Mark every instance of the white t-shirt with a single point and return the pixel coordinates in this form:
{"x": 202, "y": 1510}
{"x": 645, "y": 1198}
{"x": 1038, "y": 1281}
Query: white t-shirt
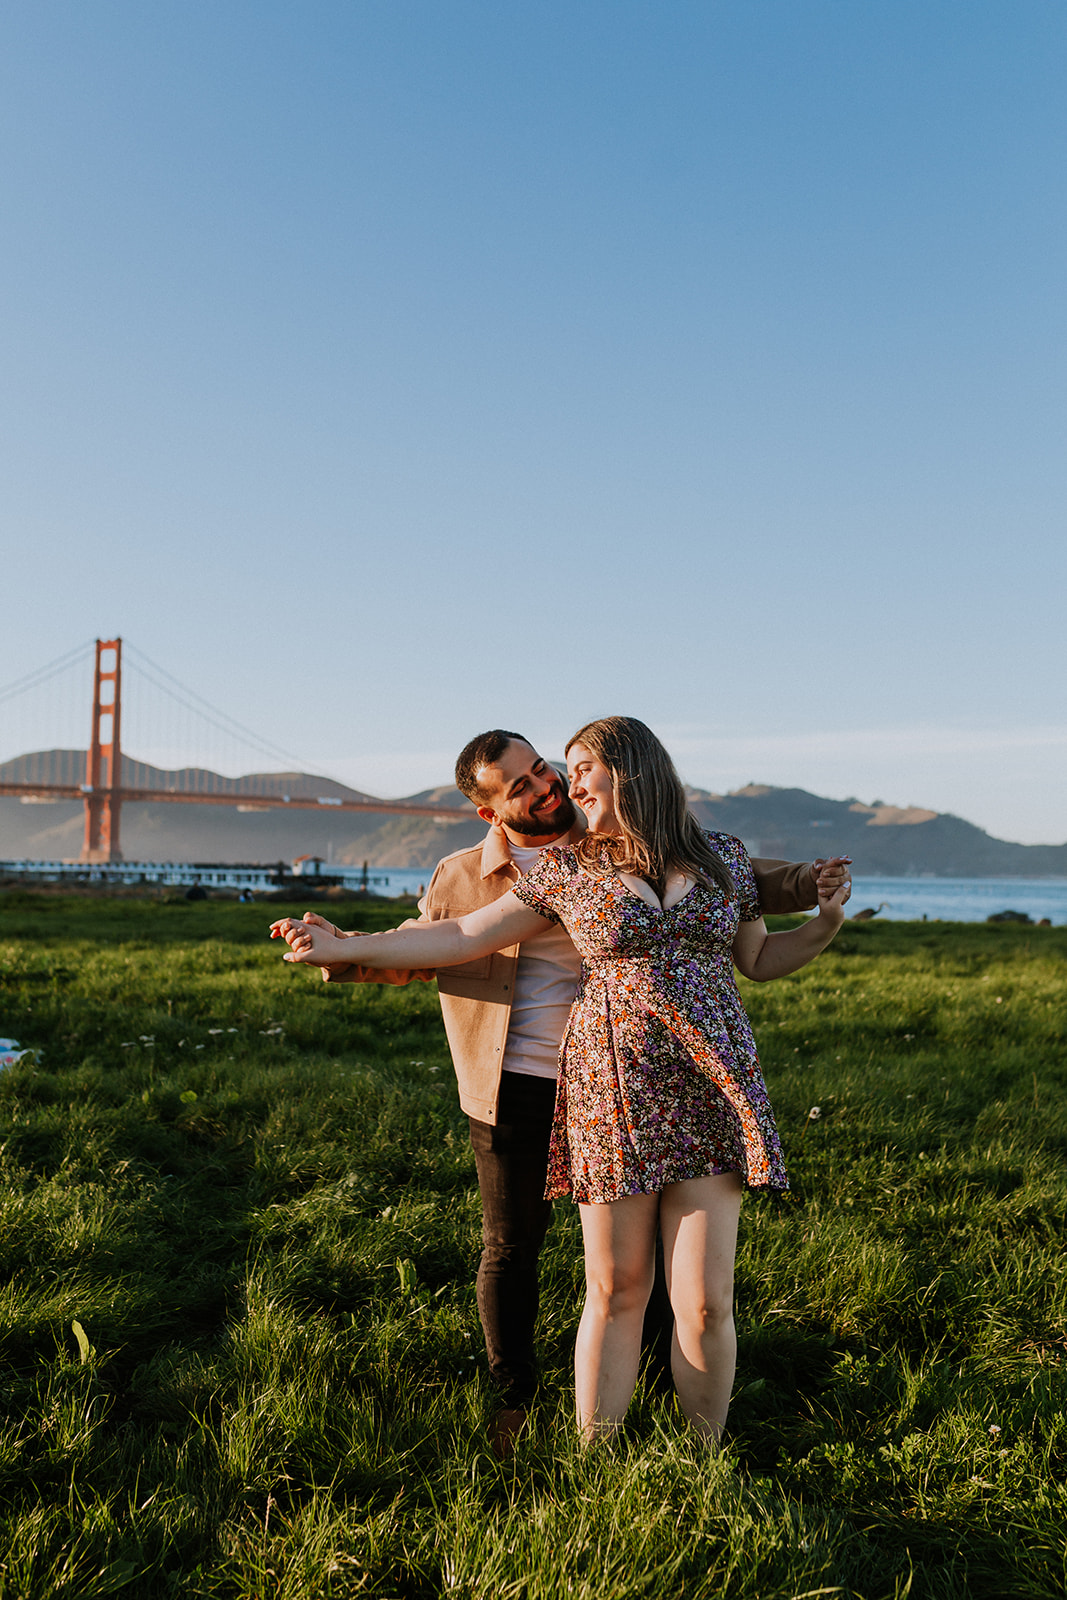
{"x": 545, "y": 981}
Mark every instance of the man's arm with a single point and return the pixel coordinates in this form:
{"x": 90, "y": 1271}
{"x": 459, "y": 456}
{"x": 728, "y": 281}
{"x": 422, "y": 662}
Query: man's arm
{"x": 786, "y": 886}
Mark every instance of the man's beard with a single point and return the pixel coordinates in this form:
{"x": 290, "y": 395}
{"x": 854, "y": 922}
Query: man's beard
{"x": 559, "y": 821}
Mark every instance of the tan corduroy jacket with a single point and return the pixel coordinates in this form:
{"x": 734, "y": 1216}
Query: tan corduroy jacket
{"x": 476, "y": 997}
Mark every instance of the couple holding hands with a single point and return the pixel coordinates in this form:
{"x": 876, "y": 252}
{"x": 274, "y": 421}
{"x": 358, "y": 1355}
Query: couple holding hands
{"x": 600, "y": 926}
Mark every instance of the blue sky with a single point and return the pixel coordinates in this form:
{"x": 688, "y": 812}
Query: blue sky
{"x": 389, "y": 371}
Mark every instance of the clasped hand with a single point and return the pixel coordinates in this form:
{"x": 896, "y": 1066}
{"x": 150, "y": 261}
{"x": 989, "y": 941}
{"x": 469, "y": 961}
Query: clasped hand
{"x": 833, "y": 880}
{"x": 311, "y": 940}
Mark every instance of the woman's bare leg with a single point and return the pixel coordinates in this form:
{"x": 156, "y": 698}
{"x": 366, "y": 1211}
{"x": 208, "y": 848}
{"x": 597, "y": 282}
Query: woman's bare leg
{"x": 699, "y": 1219}
{"x": 620, "y": 1244}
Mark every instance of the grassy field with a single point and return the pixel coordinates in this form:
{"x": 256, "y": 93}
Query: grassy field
{"x": 241, "y": 1355}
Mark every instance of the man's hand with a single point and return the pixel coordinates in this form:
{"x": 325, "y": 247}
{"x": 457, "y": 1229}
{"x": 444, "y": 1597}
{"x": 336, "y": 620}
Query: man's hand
{"x": 310, "y": 939}
{"x": 289, "y": 928}
{"x": 831, "y": 875}
{"x": 278, "y": 929}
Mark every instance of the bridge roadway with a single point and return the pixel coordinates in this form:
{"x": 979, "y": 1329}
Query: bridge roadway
{"x": 251, "y": 802}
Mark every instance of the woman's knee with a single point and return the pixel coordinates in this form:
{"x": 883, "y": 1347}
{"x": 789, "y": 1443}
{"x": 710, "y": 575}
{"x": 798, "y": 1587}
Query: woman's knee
{"x": 707, "y": 1313}
{"x": 615, "y": 1289}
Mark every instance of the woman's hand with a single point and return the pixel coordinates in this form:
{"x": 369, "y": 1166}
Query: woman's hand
{"x": 312, "y": 940}
{"x": 832, "y": 907}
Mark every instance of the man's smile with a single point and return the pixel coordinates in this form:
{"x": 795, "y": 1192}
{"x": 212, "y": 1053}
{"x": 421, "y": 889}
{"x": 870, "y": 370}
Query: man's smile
{"x": 551, "y": 814}
{"x": 525, "y": 795}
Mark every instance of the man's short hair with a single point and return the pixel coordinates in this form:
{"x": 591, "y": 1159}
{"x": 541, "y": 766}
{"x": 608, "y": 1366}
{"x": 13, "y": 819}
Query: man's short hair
{"x": 484, "y": 751}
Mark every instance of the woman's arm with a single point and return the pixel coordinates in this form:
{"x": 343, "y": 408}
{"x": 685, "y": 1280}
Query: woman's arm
{"x": 432, "y": 944}
{"x": 350, "y": 971}
{"x": 762, "y": 956}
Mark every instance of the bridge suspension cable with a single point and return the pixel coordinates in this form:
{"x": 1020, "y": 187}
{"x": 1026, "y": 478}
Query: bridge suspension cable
{"x": 203, "y": 709}
{"x": 48, "y": 709}
{"x": 41, "y": 675}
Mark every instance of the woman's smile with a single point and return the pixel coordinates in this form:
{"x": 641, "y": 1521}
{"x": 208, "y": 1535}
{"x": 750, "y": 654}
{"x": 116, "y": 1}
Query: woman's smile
{"x": 592, "y": 790}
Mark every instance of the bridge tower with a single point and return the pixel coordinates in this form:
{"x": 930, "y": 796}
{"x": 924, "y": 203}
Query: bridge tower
{"x": 103, "y": 778}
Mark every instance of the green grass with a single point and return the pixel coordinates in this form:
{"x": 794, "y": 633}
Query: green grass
{"x": 254, "y": 1194}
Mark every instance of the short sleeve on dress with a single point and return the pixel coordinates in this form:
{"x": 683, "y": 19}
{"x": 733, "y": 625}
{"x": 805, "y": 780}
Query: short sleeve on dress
{"x": 733, "y": 853}
{"x": 542, "y": 886}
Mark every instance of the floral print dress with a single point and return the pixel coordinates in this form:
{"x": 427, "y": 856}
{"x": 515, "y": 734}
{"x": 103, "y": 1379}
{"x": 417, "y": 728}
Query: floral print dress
{"x": 659, "y": 1078}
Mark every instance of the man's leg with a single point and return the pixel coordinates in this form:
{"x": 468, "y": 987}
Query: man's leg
{"x": 657, "y": 1335}
{"x": 512, "y": 1158}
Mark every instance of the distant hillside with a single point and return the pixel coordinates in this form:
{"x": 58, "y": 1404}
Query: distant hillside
{"x": 789, "y": 823}
{"x": 68, "y": 766}
{"x": 52, "y": 830}
{"x": 793, "y": 824}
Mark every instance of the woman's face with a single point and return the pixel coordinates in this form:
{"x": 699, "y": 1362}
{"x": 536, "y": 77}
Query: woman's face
{"x": 590, "y": 789}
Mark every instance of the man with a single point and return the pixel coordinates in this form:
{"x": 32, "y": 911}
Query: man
{"x": 505, "y": 1014}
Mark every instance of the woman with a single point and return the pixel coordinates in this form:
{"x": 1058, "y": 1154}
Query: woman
{"x": 662, "y": 1117}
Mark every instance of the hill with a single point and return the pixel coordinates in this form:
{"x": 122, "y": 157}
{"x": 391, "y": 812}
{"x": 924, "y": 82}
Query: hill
{"x": 882, "y": 839}
{"x": 790, "y": 823}
{"x": 52, "y": 829}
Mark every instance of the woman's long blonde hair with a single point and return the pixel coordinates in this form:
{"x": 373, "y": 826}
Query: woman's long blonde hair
{"x": 659, "y": 832}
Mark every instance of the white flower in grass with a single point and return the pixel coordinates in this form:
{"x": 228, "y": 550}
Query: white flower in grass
{"x": 216, "y": 1030}
{"x": 994, "y": 1430}
{"x": 815, "y": 1113}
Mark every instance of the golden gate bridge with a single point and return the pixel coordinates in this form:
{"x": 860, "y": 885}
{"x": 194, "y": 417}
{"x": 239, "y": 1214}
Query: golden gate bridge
{"x": 103, "y": 777}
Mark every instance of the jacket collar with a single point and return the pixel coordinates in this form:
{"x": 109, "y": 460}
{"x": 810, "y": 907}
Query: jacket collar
{"x": 496, "y": 850}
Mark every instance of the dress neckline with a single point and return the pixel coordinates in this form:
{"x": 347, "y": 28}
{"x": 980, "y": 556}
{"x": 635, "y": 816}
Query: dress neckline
{"x": 662, "y": 909}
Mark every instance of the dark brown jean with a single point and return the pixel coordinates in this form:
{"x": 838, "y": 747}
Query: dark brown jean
{"x": 512, "y": 1162}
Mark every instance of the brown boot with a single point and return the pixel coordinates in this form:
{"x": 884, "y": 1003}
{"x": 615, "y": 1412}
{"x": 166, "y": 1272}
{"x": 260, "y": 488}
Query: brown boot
{"x": 505, "y": 1431}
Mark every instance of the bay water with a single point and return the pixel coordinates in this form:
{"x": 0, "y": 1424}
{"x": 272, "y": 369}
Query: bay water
{"x": 901, "y": 899}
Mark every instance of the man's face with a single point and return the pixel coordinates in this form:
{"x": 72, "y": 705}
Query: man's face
{"x": 525, "y": 795}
